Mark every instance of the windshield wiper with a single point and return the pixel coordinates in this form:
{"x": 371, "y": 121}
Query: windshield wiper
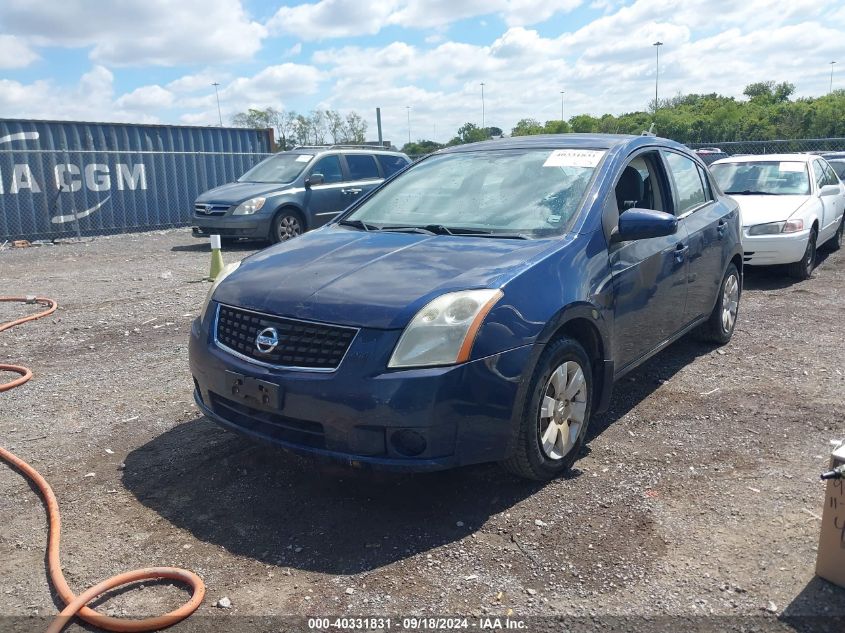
{"x": 428, "y": 229}
{"x": 358, "y": 224}
{"x": 494, "y": 234}
{"x": 749, "y": 192}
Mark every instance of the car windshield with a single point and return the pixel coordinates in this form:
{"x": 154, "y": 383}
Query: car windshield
{"x": 782, "y": 178}
{"x": 525, "y": 193}
{"x": 278, "y": 168}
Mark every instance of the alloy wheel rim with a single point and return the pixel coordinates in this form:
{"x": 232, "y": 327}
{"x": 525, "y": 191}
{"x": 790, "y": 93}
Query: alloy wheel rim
{"x": 562, "y": 410}
{"x": 730, "y": 303}
{"x": 288, "y": 228}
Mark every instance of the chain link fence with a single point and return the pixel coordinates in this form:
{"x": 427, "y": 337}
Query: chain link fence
{"x": 777, "y": 146}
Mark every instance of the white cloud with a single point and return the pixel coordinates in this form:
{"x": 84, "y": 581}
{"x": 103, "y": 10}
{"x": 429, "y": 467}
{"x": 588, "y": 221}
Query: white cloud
{"x": 146, "y": 98}
{"x": 328, "y": 19}
{"x": 15, "y": 53}
{"x": 198, "y": 82}
{"x": 140, "y": 32}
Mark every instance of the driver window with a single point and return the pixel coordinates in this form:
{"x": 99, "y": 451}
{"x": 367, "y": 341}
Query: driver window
{"x": 639, "y": 185}
{"x": 329, "y": 166}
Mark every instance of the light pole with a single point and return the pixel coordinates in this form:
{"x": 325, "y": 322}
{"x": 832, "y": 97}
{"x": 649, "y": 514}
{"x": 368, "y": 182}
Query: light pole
{"x": 408, "y": 108}
{"x": 562, "y": 118}
{"x": 657, "y": 46}
{"x": 482, "y": 105}
{"x": 217, "y": 94}
{"x": 831, "y": 77}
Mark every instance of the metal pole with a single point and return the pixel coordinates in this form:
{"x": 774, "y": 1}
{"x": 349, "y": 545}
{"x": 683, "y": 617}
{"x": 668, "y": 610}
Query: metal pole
{"x": 831, "y": 77}
{"x": 217, "y": 94}
{"x": 408, "y": 108}
{"x": 562, "y": 118}
{"x": 482, "y": 106}
{"x": 657, "y": 46}
{"x": 378, "y": 125}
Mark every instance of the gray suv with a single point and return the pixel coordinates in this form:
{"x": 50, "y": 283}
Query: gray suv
{"x": 293, "y": 192}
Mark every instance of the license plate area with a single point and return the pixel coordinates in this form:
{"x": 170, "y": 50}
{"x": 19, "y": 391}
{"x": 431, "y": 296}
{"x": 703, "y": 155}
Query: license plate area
{"x": 253, "y": 392}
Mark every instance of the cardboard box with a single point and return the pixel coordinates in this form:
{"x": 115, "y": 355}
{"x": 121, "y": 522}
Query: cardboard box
{"x": 830, "y": 562}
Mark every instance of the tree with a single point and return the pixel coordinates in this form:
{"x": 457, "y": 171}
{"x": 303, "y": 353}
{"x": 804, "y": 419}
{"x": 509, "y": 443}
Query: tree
{"x": 356, "y": 128}
{"x": 421, "y": 147}
{"x": 469, "y": 133}
{"x": 317, "y": 128}
{"x": 527, "y": 127}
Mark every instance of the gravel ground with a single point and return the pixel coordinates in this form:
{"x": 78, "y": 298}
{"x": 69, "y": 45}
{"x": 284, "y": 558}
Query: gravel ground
{"x": 697, "y": 495}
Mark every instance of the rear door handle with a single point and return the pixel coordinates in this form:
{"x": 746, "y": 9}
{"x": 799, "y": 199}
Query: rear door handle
{"x": 680, "y": 252}
{"x": 353, "y": 192}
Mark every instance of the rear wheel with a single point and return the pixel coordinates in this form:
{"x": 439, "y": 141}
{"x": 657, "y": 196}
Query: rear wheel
{"x": 556, "y": 414}
{"x": 719, "y": 328}
{"x": 286, "y": 225}
{"x": 803, "y": 269}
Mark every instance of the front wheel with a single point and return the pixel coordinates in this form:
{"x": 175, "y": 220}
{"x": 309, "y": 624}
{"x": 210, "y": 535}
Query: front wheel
{"x": 719, "y": 328}
{"x": 803, "y": 269}
{"x": 556, "y": 414}
{"x": 286, "y": 225}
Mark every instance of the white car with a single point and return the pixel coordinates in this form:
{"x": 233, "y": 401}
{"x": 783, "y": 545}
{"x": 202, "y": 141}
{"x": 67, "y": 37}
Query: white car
{"x": 790, "y": 204}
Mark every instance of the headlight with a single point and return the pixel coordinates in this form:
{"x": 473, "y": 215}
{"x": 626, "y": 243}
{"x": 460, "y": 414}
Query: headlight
{"x": 773, "y": 228}
{"x": 442, "y": 333}
{"x": 228, "y": 269}
{"x": 249, "y": 207}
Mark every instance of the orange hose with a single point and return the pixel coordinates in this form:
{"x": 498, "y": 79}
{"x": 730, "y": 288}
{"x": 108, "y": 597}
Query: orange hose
{"x": 76, "y": 604}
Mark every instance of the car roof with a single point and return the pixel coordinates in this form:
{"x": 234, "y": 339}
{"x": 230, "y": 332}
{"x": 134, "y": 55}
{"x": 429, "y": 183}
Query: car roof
{"x": 341, "y": 150}
{"x": 565, "y": 141}
{"x": 758, "y": 158}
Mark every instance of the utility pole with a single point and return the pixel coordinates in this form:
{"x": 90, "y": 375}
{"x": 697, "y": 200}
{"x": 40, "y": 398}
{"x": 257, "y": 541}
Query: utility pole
{"x": 408, "y": 108}
{"x": 831, "y": 77}
{"x": 657, "y": 46}
{"x": 482, "y": 106}
{"x": 217, "y": 94}
{"x": 378, "y": 125}
{"x": 562, "y": 118}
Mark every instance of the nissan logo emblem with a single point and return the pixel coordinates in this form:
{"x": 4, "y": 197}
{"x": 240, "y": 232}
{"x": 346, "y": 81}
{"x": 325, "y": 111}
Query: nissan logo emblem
{"x": 267, "y": 340}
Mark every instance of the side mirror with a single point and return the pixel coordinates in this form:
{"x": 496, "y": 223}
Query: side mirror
{"x": 313, "y": 180}
{"x": 641, "y": 224}
{"x": 829, "y": 190}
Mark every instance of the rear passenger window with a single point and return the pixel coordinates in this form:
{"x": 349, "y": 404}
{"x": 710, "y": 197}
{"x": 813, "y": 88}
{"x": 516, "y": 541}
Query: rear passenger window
{"x": 391, "y": 164}
{"x": 690, "y": 190}
{"x": 329, "y": 166}
{"x": 361, "y": 166}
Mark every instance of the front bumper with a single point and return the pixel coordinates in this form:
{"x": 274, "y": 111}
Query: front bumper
{"x": 249, "y": 226}
{"x": 362, "y": 414}
{"x": 771, "y": 250}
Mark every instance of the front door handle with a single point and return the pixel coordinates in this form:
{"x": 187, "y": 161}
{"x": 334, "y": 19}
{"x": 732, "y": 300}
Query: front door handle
{"x": 353, "y": 192}
{"x": 721, "y": 228}
{"x": 681, "y": 252}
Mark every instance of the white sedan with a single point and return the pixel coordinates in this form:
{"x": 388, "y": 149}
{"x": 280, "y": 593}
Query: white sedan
{"x": 790, "y": 204}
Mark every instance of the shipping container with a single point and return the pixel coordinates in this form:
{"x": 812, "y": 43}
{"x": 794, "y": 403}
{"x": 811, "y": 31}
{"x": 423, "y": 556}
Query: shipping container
{"x": 64, "y": 178}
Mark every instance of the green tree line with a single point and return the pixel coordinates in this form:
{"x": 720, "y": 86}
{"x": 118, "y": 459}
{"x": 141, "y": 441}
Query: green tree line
{"x": 317, "y": 128}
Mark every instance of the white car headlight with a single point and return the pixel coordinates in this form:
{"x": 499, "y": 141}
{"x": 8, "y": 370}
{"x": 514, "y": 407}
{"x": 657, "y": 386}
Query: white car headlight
{"x": 249, "y": 207}
{"x": 773, "y": 228}
{"x": 228, "y": 269}
{"x": 442, "y": 333}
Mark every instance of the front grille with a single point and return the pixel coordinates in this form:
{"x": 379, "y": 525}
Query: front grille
{"x": 290, "y": 430}
{"x": 301, "y": 344}
{"x": 211, "y": 209}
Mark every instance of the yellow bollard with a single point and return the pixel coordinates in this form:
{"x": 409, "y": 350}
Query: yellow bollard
{"x": 216, "y": 258}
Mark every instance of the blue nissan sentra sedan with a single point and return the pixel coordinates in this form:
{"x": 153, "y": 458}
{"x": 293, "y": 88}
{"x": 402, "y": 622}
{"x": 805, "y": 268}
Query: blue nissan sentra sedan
{"x": 476, "y": 307}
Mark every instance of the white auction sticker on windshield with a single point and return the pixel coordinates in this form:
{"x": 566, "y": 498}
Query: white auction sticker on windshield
{"x": 574, "y": 158}
{"x": 791, "y": 167}
{"x": 304, "y": 158}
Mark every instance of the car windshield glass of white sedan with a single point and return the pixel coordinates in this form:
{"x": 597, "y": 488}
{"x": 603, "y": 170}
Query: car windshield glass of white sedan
{"x": 782, "y": 178}
{"x": 278, "y": 168}
{"x": 530, "y": 193}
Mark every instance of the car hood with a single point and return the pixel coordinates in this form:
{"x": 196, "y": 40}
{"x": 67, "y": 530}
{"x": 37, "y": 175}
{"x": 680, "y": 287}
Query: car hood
{"x": 762, "y": 209}
{"x": 372, "y": 279}
{"x": 237, "y": 192}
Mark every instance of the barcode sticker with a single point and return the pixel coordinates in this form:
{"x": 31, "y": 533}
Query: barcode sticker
{"x": 574, "y": 158}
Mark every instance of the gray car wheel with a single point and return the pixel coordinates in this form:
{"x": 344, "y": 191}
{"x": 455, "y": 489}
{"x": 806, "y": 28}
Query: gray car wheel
{"x": 286, "y": 225}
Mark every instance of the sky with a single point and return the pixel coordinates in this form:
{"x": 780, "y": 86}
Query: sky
{"x": 154, "y": 61}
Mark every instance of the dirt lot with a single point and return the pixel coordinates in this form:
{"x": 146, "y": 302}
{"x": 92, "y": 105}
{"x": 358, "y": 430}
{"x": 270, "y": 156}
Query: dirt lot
{"x": 698, "y": 493}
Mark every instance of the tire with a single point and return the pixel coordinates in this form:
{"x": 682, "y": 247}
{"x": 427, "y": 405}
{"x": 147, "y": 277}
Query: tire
{"x": 835, "y": 242}
{"x": 287, "y": 225}
{"x": 550, "y": 434}
{"x": 803, "y": 269}
{"x": 719, "y": 328}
